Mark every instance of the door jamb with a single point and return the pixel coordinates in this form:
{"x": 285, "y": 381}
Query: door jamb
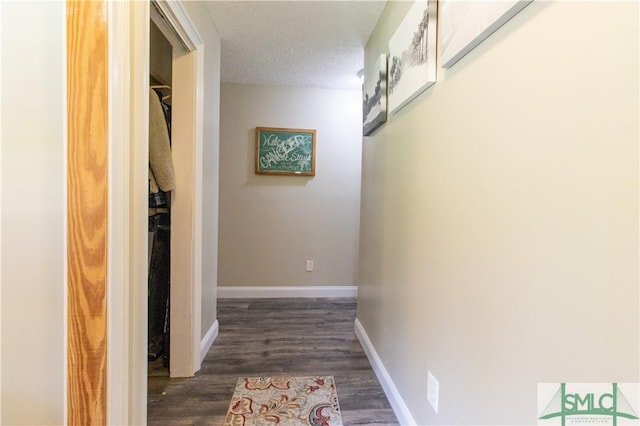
{"x": 128, "y": 24}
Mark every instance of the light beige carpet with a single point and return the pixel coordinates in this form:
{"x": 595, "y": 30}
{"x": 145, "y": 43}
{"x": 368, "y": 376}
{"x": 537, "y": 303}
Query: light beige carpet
{"x": 284, "y": 401}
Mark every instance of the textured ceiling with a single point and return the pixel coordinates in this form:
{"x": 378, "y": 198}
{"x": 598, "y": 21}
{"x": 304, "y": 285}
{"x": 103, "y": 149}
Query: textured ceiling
{"x": 294, "y": 43}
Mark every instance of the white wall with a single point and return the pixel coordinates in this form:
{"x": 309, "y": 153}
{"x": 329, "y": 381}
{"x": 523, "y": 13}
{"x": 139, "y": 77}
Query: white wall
{"x": 194, "y": 202}
{"x": 499, "y": 226}
{"x": 210, "y": 159}
{"x": 33, "y": 213}
{"x": 270, "y": 225}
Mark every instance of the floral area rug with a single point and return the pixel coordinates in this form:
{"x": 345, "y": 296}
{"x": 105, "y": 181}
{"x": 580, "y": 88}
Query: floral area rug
{"x": 284, "y": 401}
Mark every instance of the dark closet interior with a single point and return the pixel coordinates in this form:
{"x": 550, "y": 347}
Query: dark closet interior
{"x": 159, "y": 251}
{"x": 161, "y": 184}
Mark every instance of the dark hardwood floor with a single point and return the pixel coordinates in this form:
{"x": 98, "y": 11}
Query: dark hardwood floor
{"x": 270, "y": 337}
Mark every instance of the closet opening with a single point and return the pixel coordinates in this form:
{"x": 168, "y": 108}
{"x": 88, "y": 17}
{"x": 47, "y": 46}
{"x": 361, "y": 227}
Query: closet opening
{"x": 162, "y": 184}
{"x": 176, "y": 81}
{"x": 129, "y": 83}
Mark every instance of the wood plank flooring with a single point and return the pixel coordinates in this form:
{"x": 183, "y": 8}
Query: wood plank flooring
{"x": 269, "y": 337}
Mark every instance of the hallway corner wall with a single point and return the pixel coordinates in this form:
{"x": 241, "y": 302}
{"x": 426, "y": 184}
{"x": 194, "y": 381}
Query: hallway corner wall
{"x": 270, "y": 225}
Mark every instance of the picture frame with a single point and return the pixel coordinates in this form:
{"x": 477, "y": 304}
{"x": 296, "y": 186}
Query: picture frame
{"x": 467, "y": 24}
{"x": 374, "y": 96}
{"x": 283, "y": 151}
{"x": 412, "y": 54}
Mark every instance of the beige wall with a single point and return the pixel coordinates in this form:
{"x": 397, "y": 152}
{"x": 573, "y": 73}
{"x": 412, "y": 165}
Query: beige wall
{"x": 210, "y": 160}
{"x": 270, "y": 225}
{"x": 499, "y": 225}
{"x": 160, "y": 55}
{"x": 33, "y": 213}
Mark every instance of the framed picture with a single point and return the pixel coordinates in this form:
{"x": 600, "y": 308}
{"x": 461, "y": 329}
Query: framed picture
{"x": 285, "y": 151}
{"x": 412, "y": 54}
{"x": 466, "y": 24}
{"x": 374, "y": 96}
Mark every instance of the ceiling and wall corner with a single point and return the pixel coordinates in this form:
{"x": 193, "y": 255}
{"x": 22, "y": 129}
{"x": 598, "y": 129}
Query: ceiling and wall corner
{"x": 294, "y": 43}
{"x": 291, "y": 64}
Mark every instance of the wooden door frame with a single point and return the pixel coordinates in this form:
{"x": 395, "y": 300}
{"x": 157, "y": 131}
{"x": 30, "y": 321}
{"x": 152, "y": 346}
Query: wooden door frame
{"x": 88, "y": 210}
{"x": 128, "y": 213}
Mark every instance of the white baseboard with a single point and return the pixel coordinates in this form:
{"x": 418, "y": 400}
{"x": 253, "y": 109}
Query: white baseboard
{"x": 400, "y": 409}
{"x": 208, "y": 339}
{"x": 286, "y": 291}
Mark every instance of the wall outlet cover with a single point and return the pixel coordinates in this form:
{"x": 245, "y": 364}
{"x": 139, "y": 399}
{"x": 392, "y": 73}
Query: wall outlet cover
{"x": 309, "y": 265}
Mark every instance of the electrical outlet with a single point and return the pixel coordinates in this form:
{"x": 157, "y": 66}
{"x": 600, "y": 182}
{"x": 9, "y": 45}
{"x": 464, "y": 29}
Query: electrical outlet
{"x": 309, "y": 265}
{"x": 432, "y": 390}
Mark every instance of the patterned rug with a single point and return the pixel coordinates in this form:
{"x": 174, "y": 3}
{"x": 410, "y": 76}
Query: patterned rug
{"x": 284, "y": 401}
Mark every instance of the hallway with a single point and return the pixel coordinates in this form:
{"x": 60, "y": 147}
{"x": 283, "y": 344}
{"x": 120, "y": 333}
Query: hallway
{"x": 270, "y": 337}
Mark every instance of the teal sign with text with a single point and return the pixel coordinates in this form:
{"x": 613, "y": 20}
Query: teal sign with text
{"x": 285, "y": 151}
